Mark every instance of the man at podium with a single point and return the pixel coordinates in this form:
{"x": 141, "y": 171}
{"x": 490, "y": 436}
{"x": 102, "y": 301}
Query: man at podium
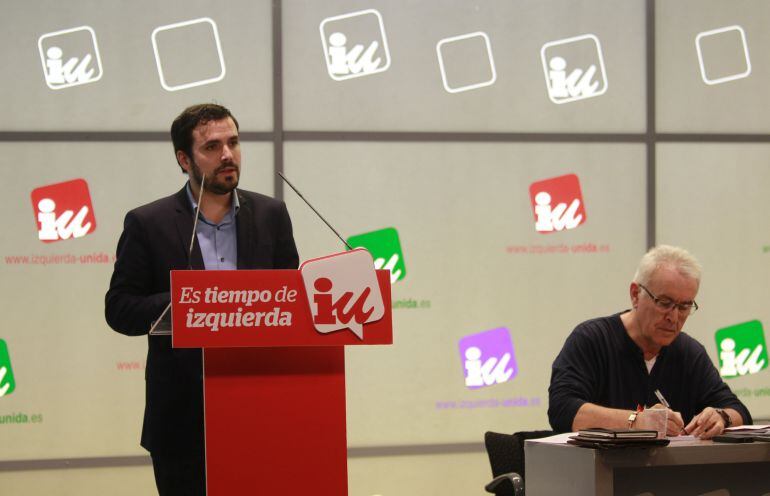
{"x": 235, "y": 229}
{"x": 612, "y": 367}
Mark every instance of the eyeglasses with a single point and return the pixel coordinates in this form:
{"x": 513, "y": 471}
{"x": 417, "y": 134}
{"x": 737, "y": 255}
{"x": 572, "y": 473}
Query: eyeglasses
{"x": 666, "y": 304}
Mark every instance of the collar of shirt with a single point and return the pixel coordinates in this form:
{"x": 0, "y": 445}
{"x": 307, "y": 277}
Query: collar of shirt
{"x": 218, "y": 242}
{"x": 634, "y": 348}
{"x": 233, "y": 210}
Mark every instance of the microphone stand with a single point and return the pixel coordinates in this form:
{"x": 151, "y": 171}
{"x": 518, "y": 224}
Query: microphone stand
{"x": 165, "y": 332}
{"x": 314, "y": 210}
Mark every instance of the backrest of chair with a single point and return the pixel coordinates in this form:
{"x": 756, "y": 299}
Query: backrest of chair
{"x": 503, "y": 451}
{"x": 506, "y": 451}
{"x": 504, "y": 457}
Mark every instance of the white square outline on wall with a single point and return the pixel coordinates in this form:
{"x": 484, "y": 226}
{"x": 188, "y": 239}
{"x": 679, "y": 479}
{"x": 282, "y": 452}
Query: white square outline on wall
{"x": 564, "y": 42}
{"x": 489, "y": 56}
{"x": 347, "y": 16}
{"x": 67, "y": 31}
{"x": 703, "y": 66}
{"x": 181, "y": 25}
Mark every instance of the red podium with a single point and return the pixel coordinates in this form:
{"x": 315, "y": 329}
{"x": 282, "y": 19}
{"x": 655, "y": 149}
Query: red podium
{"x": 274, "y": 367}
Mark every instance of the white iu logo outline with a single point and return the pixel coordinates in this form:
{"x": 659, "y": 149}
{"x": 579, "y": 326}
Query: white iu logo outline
{"x": 159, "y": 64}
{"x": 62, "y": 71}
{"x": 347, "y": 62}
{"x": 565, "y": 83}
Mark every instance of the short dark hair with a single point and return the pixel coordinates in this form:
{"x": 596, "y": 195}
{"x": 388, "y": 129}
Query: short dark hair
{"x": 190, "y": 118}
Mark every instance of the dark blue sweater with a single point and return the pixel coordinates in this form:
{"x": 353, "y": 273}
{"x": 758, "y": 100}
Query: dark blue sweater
{"x": 601, "y": 364}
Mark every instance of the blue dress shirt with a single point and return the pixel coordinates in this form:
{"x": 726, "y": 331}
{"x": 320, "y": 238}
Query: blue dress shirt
{"x": 218, "y": 242}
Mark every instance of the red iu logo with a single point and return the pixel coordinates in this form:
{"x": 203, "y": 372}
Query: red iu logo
{"x": 343, "y": 292}
{"x": 331, "y": 312}
{"x": 63, "y": 211}
{"x": 557, "y": 203}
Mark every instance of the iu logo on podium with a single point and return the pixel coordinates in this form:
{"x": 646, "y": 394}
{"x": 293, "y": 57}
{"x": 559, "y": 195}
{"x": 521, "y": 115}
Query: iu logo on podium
{"x": 343, "y": 292}
{"x": 63, "y": 211}
{"x": 557, "y": 203}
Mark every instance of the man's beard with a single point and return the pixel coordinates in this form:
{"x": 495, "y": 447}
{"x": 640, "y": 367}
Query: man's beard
{"x": 213, "y": 184}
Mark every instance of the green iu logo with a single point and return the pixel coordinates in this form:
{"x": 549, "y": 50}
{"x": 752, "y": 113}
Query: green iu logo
{"x": 385, "y": 248}
{"x": 742, "y": 349}
{"x": 7, "y": 384}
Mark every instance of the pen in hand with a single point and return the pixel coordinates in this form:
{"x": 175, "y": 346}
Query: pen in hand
{"x": 665, "y": 403}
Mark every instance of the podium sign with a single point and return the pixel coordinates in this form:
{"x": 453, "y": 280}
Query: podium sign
{"x": 257, "y": 308}
{"x": 274, "y": 367}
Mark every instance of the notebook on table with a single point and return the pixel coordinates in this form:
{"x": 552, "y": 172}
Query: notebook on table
{"x": 601, "y": 433}
{"x": 616, "y": 438}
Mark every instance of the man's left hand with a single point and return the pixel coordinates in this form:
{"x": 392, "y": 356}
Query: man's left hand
{"x": 706, "y": 424}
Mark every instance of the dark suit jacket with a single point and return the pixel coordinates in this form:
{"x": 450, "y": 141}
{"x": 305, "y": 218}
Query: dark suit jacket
{"x": 156, "y": 240}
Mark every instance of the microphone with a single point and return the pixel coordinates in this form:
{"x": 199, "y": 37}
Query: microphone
{"x": 165, "y": 332}
{"x": 314, "y": 210}
{"x": 195, "y": 224}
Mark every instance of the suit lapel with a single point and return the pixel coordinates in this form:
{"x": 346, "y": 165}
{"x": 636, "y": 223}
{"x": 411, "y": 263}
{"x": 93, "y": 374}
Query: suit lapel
{"x": 184, "y": 227}
{"x": 245, "y": 233}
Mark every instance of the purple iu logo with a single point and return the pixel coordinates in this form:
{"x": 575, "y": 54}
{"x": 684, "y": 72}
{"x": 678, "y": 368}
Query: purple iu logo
{"x": 488, "y": 358}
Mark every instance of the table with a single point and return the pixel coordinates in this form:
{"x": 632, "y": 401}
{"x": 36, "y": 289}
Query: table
{"x": 684, "y": 467}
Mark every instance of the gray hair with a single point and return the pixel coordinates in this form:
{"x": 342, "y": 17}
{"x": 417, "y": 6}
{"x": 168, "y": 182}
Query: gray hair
{"x": 663, "y": 255}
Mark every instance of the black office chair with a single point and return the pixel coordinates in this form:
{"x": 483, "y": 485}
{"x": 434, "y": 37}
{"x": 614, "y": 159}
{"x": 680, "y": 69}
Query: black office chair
{"x": 506, "y": 457}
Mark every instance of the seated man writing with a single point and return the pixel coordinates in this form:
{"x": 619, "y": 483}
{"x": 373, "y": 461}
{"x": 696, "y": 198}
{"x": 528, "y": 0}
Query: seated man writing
{"x": 610, "y": 366}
